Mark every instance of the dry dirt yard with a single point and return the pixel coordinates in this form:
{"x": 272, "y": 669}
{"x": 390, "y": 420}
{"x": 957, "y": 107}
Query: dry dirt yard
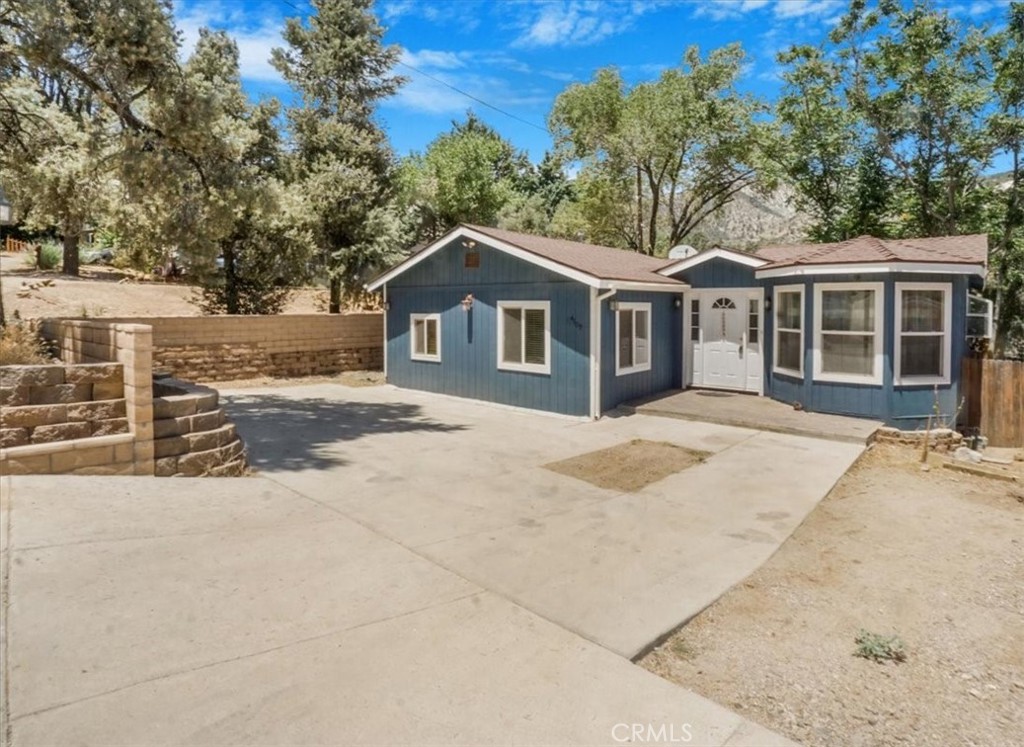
{"x": 935, "y": 557}
{"x": 104, "y": 291}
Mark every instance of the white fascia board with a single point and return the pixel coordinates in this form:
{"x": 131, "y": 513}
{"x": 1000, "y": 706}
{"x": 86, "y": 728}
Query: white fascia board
{"x": 702, "y": 257}
{"x": 636, "y": 285}
{"x": 871, "y": 268}
{"x": 469, "y": 233}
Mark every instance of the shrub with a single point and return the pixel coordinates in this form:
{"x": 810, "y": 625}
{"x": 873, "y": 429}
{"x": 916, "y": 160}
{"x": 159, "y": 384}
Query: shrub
{"x": 879, "y": 648}
{"x": 20, "y": 344}
{"x": 50, "y": 254}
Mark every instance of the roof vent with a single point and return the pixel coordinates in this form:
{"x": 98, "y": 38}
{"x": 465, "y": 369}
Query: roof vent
{"x": 682, "y": 251}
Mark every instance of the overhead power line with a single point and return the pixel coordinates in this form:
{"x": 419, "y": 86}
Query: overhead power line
{"x": 444, "y": 83}
{"x": 474, "y": 98}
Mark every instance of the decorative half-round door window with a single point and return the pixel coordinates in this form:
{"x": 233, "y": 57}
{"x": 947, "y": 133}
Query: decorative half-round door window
{"x": 723, "y": 305}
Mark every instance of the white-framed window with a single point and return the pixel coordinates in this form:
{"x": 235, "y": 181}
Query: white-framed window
{"x": 924, "y": 318}
{"x": 848, "y": 332}
{"x": 633, "y": 336}
{"x": 789, "y": 330}
{"x": 979, "y": 317}
{"x": 425, "y": 337}
{"x": 524, "y": 336}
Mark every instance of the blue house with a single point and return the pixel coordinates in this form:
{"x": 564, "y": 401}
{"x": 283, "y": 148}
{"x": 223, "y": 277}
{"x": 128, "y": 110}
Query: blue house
{"x": 866, "y": 327}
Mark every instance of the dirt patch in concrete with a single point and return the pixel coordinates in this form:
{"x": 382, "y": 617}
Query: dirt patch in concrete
{"x": 631, "y": 466}
{"x": 935, "y": 557}
{"x": 346, "y": 378}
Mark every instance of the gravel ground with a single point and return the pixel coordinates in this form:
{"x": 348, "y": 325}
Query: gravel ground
{"x": 935, "y": 557}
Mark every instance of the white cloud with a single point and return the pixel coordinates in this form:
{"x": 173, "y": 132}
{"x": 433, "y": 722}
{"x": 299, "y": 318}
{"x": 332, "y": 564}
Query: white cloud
{"x": 720, "y": 10}
{"x": 576, "y": 22}
{"x": 432, "y": 96}
{"x": 255, "y": 37}
{"x": 806, "y": 8}
{"x": 438, "y": 59}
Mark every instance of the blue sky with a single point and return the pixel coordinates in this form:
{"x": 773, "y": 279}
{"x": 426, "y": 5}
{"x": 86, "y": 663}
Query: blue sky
{"x": 517, "y": 55}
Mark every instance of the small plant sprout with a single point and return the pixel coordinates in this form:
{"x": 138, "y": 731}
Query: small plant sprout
{"x": 879, "y": 648}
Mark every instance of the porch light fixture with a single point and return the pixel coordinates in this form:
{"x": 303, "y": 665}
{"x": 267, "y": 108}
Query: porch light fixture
{"x": 613, "y": 305}
{"x": 677, "y": 302}
{"x": 768, "y": 303}
{"x": 387, "y": 306}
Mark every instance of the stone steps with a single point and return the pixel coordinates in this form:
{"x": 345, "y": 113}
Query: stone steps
{"x": 192, "y": 436}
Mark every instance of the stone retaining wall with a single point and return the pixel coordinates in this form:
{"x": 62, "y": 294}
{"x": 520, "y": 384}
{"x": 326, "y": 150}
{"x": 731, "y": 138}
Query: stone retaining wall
{"x": 131, "y": 345}
{"x": 193, "y": 437}
{"x": 939, "y": 439}
{"x": 225, "y": 348}
{"x": 43, "y": 404}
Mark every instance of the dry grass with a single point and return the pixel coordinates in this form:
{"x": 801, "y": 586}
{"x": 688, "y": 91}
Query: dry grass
{"x": 21, "y": 345}
{"x": 629, "y": 467}
{"x": 934, "y": 557}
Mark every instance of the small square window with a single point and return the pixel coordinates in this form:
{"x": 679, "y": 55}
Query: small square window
{"x": 425, "y": 333}
{"x": 472, "y": 260}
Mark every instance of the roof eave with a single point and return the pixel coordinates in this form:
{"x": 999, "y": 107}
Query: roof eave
{"x": 851, "y": 268}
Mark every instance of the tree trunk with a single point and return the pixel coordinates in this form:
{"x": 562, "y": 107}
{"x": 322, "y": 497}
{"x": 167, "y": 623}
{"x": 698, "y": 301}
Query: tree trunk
{"x": 639, "y": 212}
{"x": 230, "y": 281}
{"x": 71, "y": 254}
{"x": 334, "y": 306}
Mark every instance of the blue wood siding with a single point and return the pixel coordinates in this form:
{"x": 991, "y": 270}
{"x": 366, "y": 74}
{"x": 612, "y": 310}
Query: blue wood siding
{"x": 469, "y": 345}
{"x": 719, "y": 273}
{"x": 906, "y": 407}
{"x": 666, "y": 339}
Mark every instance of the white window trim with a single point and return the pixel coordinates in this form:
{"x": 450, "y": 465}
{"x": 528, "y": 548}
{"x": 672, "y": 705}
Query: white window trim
{"x": 413, "y": 355}
{"x": 878, "y": 364}
{"x": 537, "y": 368}
{"x": 947, "y": 334}
{"x": 988, "y": 315}
{"x": 636, "y": 368}
{"x": 776, "y": 368}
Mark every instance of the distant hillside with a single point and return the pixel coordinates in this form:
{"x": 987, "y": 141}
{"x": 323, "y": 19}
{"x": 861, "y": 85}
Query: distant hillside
{"x": 752, "y": 220}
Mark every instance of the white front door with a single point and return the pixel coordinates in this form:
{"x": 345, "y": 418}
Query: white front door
{"x": 725, "y": 336}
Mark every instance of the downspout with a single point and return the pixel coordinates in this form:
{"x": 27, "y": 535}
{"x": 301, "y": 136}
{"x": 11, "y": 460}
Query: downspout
{"x": 385, "y": 302}
{"x": 595, "y": 348}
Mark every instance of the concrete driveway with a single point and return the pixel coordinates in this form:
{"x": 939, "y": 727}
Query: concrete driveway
{"x": 463, "y": 484}
{"x": 402, "y": 572}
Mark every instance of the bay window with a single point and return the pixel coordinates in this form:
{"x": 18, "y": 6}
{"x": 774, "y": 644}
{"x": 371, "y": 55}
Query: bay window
{"x": 923, "y": 342}
{"x": 789, "y": 330}
{"x": 848, "y": 332}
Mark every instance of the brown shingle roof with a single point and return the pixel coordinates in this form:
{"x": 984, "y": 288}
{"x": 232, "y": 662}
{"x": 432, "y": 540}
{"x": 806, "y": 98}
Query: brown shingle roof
{"x": 601, "y": 262}
{"x": 972, "y": 249}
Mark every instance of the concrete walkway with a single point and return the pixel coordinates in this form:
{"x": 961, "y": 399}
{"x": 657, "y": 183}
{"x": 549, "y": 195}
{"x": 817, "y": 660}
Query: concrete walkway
{"x": 403, "y": 572}
{"x": 751, "y": 411}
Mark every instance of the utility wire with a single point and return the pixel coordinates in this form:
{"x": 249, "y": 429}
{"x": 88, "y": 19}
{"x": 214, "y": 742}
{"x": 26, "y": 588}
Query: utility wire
{"x": 449, "y": 85}
{"x": 474, "y": 98}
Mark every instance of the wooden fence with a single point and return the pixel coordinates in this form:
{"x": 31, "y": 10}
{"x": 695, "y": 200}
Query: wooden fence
{"x": 13, "y": 245}
{"x": 994, "y": 399}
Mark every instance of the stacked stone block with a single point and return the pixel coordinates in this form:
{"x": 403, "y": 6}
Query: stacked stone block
{"x": 131, "y": 345}
{"x": 43, "y": 404}
{"x": 939, "y": 439}
{"x": 225, "y": 348}
{"x": 192, "y": 435}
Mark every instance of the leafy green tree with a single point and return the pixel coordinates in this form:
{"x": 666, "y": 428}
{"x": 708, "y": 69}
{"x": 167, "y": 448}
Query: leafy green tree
{"x": 60, "y": 173}
{"x": 469, "y": 174}
{"x": 822, "y": 143}
{"x": 685, "y": 144}
{"x": 262, "y": 251}
{"x": 1006, "y": 125}
{"x": 337, "y": 62}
